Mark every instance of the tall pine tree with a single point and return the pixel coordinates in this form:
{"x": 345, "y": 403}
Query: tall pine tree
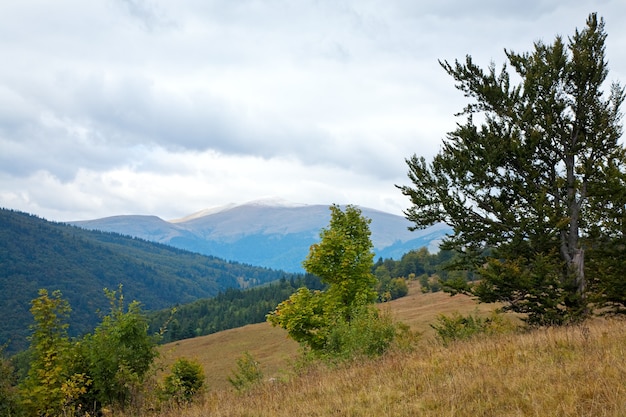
{"x": 527, "y": 182}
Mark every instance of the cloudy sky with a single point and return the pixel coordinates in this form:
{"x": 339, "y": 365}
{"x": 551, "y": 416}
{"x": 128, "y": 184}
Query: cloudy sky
{"x": 169, "y": 107}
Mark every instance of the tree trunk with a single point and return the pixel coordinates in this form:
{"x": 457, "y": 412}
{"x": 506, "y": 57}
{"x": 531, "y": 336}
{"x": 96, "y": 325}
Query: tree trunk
{"x": 575, "y": 256}
{"x": 578, "y": 269}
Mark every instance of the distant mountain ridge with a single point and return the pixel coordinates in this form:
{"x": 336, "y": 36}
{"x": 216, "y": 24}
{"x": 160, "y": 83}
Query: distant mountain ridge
{"x": 35, "y": 253}
{"x": 269, "y": 233}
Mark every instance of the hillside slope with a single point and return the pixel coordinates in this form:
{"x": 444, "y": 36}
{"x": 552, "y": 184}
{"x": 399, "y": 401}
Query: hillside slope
{"x": 267, "y": 233}
{"x": 570, "y": 371}
{"x": 35, "y": 253}
{"x": 271, "y": 347}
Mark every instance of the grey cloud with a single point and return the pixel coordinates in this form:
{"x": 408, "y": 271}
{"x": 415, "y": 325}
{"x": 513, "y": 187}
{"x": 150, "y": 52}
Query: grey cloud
{"x": 94, "y": 122}
{"x": 135, "y": 111}
{"x": 57, "y": 146}
{"x": 148, "y": 14}
{"x": 485, "y": 9}
{"x": 322, "y": 83}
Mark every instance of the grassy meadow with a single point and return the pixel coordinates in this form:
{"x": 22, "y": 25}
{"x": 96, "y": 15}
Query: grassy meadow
{"x": 569, "y": 371}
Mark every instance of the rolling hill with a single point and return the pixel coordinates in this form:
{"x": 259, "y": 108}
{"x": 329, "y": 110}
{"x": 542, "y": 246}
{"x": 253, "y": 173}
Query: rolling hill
{"x": 267, "y": 233}
{"x": 35, "y": 253}
{"x": 275, "y": 352}
{"x": 556, "y": 371}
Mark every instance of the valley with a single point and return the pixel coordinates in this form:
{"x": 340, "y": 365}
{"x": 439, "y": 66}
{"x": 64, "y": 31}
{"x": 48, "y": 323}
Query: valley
{"x": 269, "y": 234}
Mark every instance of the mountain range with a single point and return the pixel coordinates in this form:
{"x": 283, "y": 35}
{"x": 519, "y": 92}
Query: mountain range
{"x": 38, "y": 254}
{"x": 268, "y": 233}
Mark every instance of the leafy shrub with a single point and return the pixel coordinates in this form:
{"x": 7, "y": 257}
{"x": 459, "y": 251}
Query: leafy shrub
{"x": 429, "y": 283}
{"x": 119, "y": 353}
{"x": 459, "y": 327}
{"x": 185, "y": 380}
{"x": 248, "y": 373}
{"x": 51, "y": 386}
{"x": 368, "y": 333}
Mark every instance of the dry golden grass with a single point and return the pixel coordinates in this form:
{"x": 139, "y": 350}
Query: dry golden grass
{"x": 217, "y": 353}
{"x": 419, "y": 310}
{"x": 578, "y": 371}
{"x": 572, "y": 371}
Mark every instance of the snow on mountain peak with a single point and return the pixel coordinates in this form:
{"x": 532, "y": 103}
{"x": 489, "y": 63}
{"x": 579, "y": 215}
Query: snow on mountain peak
{"x": 262, "y": 202}
{"x": 272, "y": 202}
{"x": 205, "y": 212}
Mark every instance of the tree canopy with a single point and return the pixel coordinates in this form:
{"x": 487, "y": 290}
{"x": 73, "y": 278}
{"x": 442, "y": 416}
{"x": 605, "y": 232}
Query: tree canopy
{"x": 533, "y": 182}
{"x": 342, "y": 320}
{"x": 343, "y": 258}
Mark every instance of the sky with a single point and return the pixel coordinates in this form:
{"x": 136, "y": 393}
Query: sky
{"x": 156, "y": 107}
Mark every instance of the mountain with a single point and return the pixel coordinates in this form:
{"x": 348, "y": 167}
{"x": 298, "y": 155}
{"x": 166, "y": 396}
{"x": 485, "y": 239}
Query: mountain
{"x": 271, "y": 234}
{"x": 35, "y": 253}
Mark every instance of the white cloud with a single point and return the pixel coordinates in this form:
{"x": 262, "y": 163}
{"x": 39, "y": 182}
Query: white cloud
{"x": 155, "y": 107}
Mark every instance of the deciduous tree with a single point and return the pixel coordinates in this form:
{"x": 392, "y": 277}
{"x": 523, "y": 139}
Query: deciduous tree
{"x": 51, "y": 385}
{"x": 327, "y": 321}
{"x": 120, "y": 352}
{"x": 343, "y": 259}
{"x": 8, "y": 390}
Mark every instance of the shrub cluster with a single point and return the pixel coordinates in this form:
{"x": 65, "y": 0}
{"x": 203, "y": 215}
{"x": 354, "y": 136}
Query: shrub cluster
{"x": 108, "y": 369}
{"x": 459, "y": 327}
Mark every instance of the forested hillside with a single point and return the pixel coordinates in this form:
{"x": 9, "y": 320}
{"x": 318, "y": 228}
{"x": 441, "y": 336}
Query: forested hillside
{"x": 35, "y": 253}
{"x": 228, "y": 310}
{"x": 234, "y": 308}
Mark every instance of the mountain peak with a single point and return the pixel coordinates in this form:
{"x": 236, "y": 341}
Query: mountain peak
{"x": 203, "y": 213}
{"x": 262, "y": 202}
{"x": 273, "y": 202}
{"x": 269, "y": 232}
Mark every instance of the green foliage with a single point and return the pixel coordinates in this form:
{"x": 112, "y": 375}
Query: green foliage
{"x": 234, "y": 307}
{"x": 305, "y": 316}
{"x": 608, "y": 285}
{"x": 73, "y": 377}
{"x": 185, "y": 380}
{"x": 368, "y": 334}
{"x": 391, "y": 288}
{"x": 459, "y": 327}
{"x": 607, "y": 252}
{"x": 9, "y": 402}
{"x": 536, "y": 182}
{"x": 247, "y": 374}
{"x": 429, "y": 283}
{"x": 539, "y": 279}
{"x": 35, "y": 253}
{"x": 343, "y": 259}
{"x": 51, "y": 386}
{"x": 341, "y": 321}
{"x": 229, "y": 309}
{"x": 433, "y": 271}
{"x": 416, "y": 262}
{"x": 119, "y": 353}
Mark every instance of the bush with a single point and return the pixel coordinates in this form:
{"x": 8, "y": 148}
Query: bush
{"x": 429, "y": 283}
{"x": 119, "y": 353}
{"x": 186, "y": 380}
{"x": 458, "y": 327}
{"x": 368, "y": 333}
{"x": 341, "y": 321}
{"x": 248, "y": 373}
